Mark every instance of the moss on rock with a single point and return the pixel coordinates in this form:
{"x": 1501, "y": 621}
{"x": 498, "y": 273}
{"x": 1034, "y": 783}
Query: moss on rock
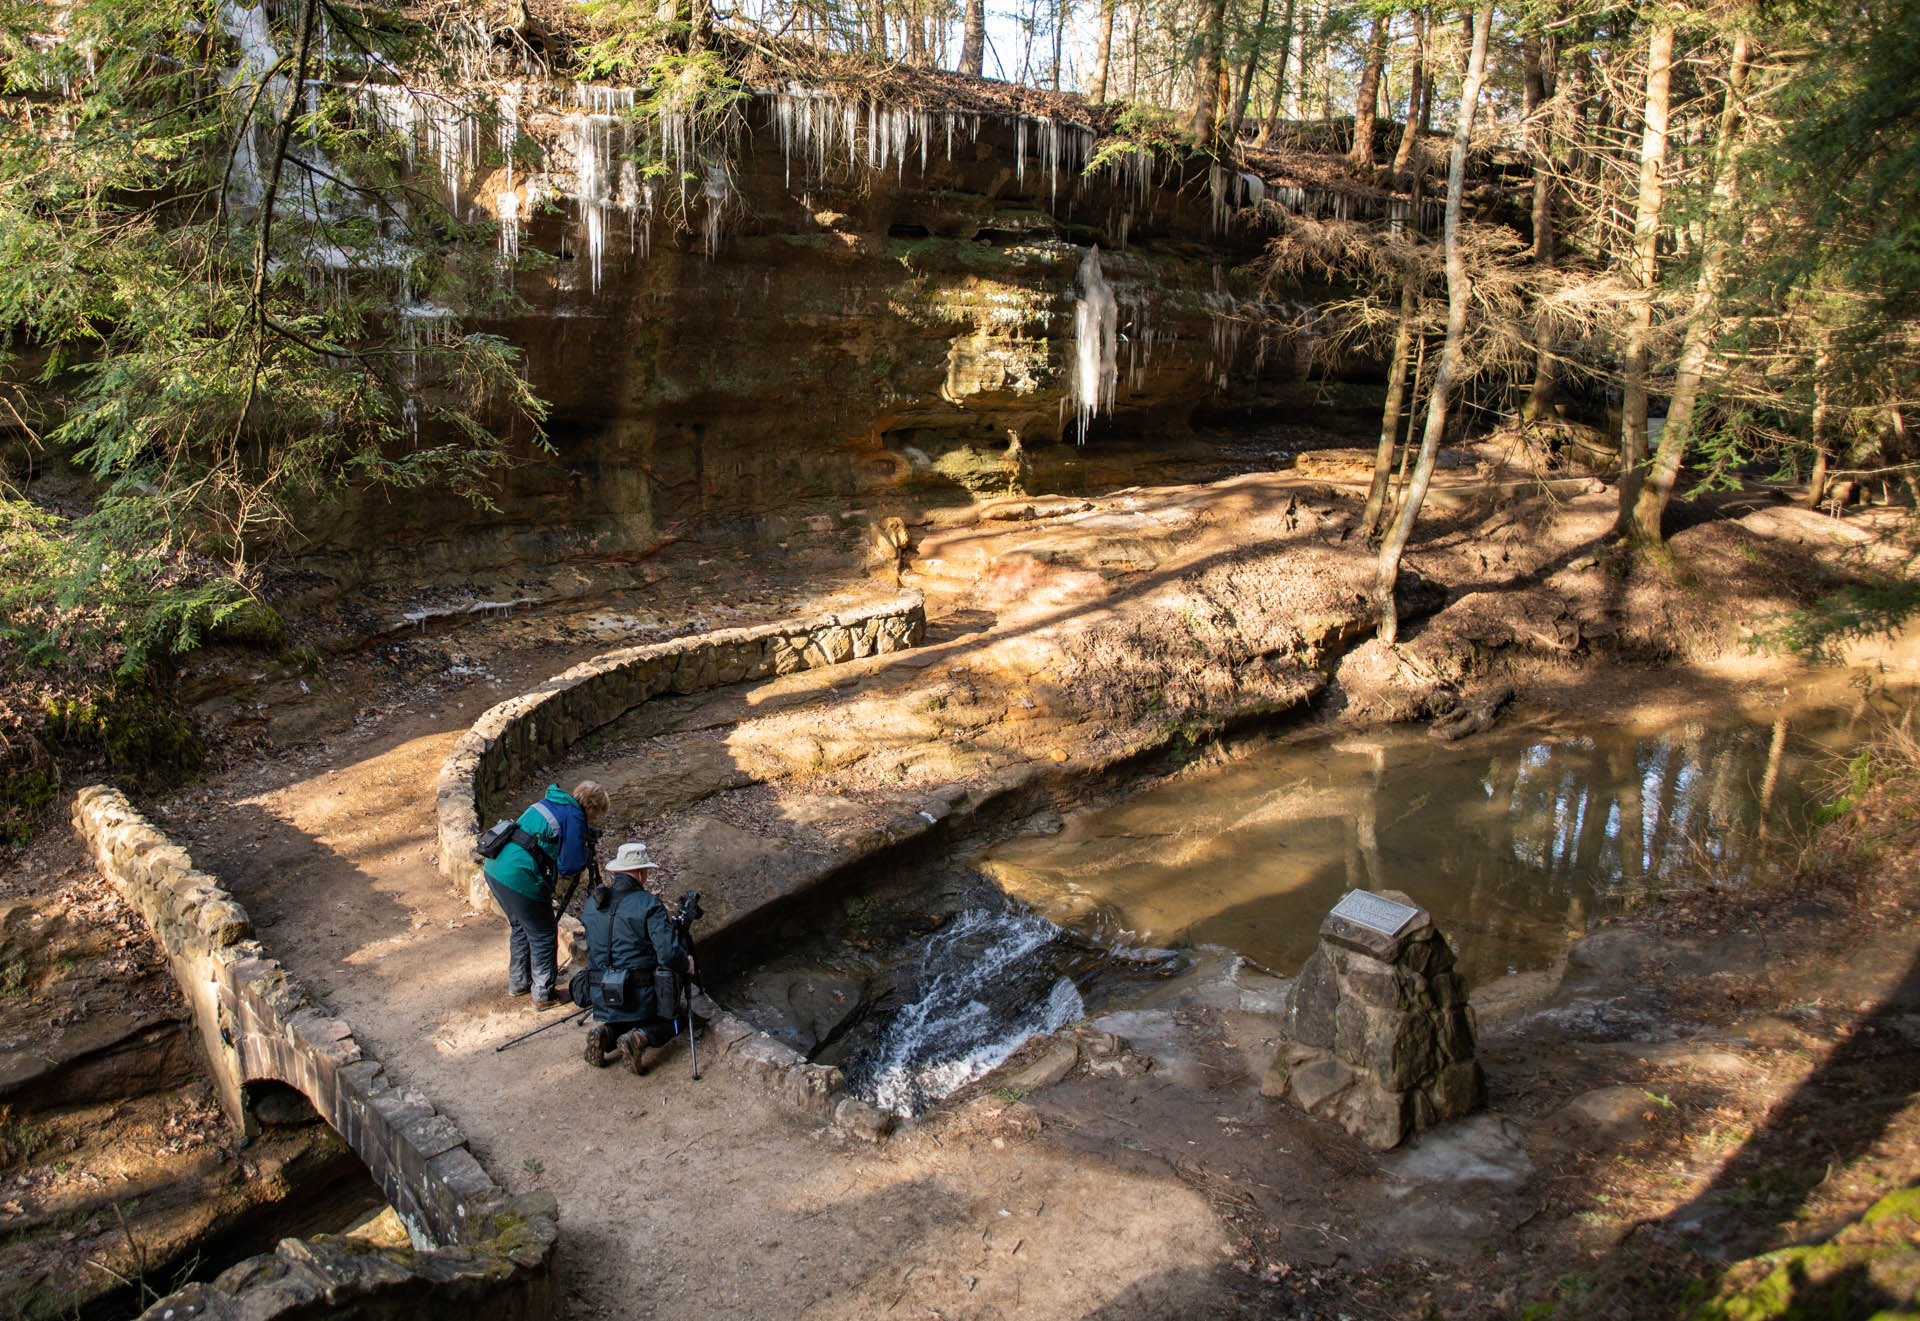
{"x": 1869, "y": 1269}
{"x": 129, "y": 728}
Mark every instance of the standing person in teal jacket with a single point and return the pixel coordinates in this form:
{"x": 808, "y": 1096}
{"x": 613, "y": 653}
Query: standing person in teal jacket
{"x": 523, "y": 885}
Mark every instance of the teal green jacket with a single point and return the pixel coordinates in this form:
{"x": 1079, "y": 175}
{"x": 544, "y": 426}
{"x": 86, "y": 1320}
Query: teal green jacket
{"x": 515, "y": 867}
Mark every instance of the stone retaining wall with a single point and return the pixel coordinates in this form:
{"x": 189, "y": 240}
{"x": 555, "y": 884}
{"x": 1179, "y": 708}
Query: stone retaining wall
{"x": 507, "y": 742}
{"x": 255, "y": 1023}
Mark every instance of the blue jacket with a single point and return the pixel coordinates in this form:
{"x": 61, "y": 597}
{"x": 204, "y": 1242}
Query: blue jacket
{"x": 515, "y": 867}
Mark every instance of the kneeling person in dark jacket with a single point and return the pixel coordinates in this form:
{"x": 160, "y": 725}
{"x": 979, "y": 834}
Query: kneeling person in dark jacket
{"x": 629, "y": 936}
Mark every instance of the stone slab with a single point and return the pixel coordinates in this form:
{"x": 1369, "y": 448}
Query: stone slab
{"x": 1373, "y": 924}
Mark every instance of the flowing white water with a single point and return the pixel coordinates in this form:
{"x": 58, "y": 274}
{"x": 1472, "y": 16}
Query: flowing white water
{"x": 1096, "y": 336}
{"x": 980, "y": 997}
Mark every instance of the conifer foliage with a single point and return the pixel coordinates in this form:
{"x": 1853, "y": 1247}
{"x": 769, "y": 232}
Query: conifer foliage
{"x": 223, "y": 293}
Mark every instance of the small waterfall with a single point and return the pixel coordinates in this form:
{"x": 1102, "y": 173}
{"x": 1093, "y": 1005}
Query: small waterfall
{"x": 1096, "y": 327}
{"x": 986, "y": 988}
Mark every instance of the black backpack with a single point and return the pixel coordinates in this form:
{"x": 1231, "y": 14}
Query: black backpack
{"x": 504, "y": 832}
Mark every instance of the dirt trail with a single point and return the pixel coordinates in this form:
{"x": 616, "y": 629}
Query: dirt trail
{"x": 682, "y": 1198}
{"x": 1130, "y": 1196}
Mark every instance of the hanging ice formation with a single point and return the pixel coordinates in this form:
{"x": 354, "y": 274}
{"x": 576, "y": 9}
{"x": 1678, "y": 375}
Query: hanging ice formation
{"x": 258, "y": 57}
{"x": 508, "y": 210}
{"x": 818, "y": 131}
{"x": 1231, "y": 190}
{"x": 718, "y": 188}
{"x": 1228, "y": 325}
{"x": 1096, "y": 336}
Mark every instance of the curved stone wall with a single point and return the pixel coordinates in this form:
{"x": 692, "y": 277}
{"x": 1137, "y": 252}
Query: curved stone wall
{"x": 257, "y": 1024}
{"x": 507, "y": 742}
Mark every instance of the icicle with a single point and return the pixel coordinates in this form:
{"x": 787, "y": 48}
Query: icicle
{"x": 718, "y": 189}
{"x": 258, "y": 56}
{"x": 1096, "y": 318}
{"x": 590, "y": 192}
{"x": 509, "y": 215}
{"x": 508, "y": 210}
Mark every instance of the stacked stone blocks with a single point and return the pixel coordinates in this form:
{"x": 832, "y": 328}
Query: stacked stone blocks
{"x": 1379, "y": 1035}
{"x": 255, "y": 1023}
{"x": 510, "y": 739}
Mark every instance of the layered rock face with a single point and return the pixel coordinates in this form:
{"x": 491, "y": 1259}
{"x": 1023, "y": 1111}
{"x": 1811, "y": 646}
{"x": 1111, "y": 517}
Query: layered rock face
{"x": 834, "y": 301}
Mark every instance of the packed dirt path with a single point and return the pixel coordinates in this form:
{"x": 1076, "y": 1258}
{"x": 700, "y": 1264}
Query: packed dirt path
{"x": 1135, "y": 1195}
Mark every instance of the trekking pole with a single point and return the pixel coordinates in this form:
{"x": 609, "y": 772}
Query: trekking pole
{"x": 537, "y": 1031}
{"x": 693, "y": 1051}
{"x": 683, "y": 1002}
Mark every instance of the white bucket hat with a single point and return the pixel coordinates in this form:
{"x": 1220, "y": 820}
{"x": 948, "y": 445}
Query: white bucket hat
{"x": 631, "y": 857}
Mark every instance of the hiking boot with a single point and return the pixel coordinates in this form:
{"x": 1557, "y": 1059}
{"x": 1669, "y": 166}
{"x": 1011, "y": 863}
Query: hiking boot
{"x": 599, "y": 1046}
{"x": 633, "y": 1052}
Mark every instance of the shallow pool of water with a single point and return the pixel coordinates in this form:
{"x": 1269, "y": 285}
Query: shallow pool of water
{"x": 1513, "y": 839}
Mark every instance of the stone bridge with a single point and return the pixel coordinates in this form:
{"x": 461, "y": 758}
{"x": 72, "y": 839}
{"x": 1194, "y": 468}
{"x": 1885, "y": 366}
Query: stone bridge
{"x": 257, "y": 1027}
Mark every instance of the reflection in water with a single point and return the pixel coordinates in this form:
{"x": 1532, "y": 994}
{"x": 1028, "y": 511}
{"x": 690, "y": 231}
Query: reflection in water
{"x": 1513, "y": 841}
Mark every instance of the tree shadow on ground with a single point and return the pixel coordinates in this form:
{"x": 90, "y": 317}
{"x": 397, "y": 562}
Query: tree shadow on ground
{"x": 1758, "y": 1200}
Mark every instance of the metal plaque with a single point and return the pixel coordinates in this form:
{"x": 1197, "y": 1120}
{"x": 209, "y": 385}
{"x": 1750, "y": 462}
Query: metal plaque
{"x": 1375, "y": 912}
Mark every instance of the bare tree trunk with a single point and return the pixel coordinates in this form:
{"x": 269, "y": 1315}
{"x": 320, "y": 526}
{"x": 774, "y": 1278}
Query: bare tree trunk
{"x": 1426, "y": 96}
{"x": 1449, "y": 371}
{"x": 1097, "y": 89}
{"x": 1419, "y": 389}
{"x": 1272, "y": 126}
{"x": 1410, "y": 132}
{"x": 877, "y": 29}
{"x": 916, "y": 39}
{"x": 1059, "y": 39}
{"x": 1300, "y": 90}
{"x": 1537, "y": 75}
{"x": 1374, "y": 514}
{"x": 1206, "y": 73}
{"x": 1133, "y": 55}
{"x": 1366, "y": 101}
{"x": 1691, "y": 370}
{"x": 1822, "y": 423}
{"x": 973, "y": 45}
{"x": 1644, "y": 268}
{"x": 1246, "y": 78}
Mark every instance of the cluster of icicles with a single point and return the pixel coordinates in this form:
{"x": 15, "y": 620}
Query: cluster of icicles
{"x": 605, "y": 132}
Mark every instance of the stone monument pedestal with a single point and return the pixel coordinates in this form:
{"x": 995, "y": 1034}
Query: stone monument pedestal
{"x": 1378, "y": 1035}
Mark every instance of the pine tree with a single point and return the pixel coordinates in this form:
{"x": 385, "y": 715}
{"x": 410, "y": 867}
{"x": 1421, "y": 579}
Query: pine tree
{"x": 226, "y": 298}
